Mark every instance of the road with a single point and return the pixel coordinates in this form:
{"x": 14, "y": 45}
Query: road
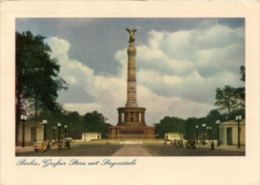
{"x": 168, "y": 150}
{"x": 127, "y": 150}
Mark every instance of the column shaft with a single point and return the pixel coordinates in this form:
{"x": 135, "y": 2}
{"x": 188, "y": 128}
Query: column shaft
{"x": 131, "y": 77}
{"x": 142, "y": 117}
{"x": 128, "y": 116}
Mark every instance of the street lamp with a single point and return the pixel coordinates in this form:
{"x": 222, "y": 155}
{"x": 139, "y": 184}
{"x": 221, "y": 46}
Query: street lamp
{"x": 218, "y": 122}
{"x": 59, "y": 125}
{"x": 23, "y": 118}
{"x": 53, "y": 133}
{"x": 65, "y": 128}
{"x": 209, "y": 133}
{"x": 238, "y": 119}
{"x": 203, "y": 126}
{"x": 197, "y": 127}
{"x": 44, "y": 122}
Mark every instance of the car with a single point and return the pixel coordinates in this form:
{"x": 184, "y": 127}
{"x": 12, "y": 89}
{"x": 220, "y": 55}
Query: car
{"x": 65, "y": 144}
{"x": 191, "y": 144}
{"x": 43, "y": 145}
{"x": 179, "y": 144}
{"x": 167, "y": 141}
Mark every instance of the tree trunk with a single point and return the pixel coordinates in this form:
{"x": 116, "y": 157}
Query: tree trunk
{"x": 17, "y": 115}
{"x": 229, "y": 109}
{"x": 36, "y": 109}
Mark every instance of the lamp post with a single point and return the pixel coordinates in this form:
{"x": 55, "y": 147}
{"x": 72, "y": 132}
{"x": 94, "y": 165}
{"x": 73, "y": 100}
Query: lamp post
{"x": 197, "y": 127}
{"x": 238, "y": 119}
{"x": 44, "y": 122}
{"x": 203, "y": 126}
{"x": 107, "y": 138}
{"x": 65, "y": 129}
{"x": 53, "y": 134}
{"x": 218, "y": 122}
{"x": 59, "y": 125}
{"x": 209, "y": 133}
{"x": 23, "y": 118}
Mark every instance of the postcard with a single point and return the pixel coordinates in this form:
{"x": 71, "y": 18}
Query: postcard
{"x": 129, "y": 92}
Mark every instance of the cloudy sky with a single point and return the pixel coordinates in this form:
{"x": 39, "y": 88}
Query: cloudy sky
{"x": 180, "y": 62}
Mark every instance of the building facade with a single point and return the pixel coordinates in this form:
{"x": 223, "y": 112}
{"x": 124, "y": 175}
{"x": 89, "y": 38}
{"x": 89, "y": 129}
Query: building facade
{"x": 228, "y": 133}
{"x": 88, "y": 136}
{"x": 174, "y": 136}
{"x": 33, "y": 131}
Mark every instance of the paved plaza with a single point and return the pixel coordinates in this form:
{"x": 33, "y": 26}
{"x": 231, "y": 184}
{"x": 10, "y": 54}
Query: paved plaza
{"x": 131, "y": 150}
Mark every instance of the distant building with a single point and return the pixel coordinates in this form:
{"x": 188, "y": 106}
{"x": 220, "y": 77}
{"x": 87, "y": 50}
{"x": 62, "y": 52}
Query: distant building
{"x": 174, "y": 136}
{"x": 88, "y": 136}
{"x": 33, "y": 131}
{"x": 228, "y": 133}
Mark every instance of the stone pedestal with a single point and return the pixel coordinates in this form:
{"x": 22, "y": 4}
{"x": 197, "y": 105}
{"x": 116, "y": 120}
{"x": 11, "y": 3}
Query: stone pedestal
{"x": 131, "y": 132}
{"x": 131, "y": 125}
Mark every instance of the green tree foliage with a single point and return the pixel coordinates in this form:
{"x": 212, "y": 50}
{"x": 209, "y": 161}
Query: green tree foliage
{"x": 236, "y": 112}
{"x": 227, "y": 98}
{"x": 243, "y": 73}
{"x": 169, "y": 124}
{"x": 37, "y": 72}
{"x": 190, "y": 127}
{"x": 241, "y": 96}
{"x": 76, "y": 124}
{"x": 241, "y": 90}
{"x": 37, "y": 79}
{"x": 95, "y": 122}
{"x": 209, "y": 120}
{"x": 231, "y": 98}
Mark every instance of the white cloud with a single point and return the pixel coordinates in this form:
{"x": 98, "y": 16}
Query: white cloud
{"x": 189, "y": 64}
{"x": 109, "y": 93}
{"x": 177, "y": 73}
{"x": 72, "y": 80}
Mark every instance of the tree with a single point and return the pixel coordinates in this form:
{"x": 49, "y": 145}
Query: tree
{"x": 211, "y": 119}
{"x": 169, "y": 124}
{"x": 95, "y": 122}
{"x": 76, "y": 124}
{"x": 243, "y": 73}
{"x": 236, "y": 112}
{"x": 241, "y": 96}
{"x": 214, "y": 115}
{"x": 37, "y": 79}
{"x": 190, "y": 127}
{"x": 241, "y": 90}
{"x": 227, "y": 98}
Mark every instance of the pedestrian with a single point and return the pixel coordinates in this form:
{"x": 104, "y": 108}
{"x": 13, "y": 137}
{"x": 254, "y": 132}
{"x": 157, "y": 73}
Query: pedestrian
{"x": 212, "y": 145}
{"x": 48, "y": 144}
{"x": 68, "y": 145}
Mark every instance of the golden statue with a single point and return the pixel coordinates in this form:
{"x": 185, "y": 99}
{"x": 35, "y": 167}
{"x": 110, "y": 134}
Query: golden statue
{"x": 132, "y": 35}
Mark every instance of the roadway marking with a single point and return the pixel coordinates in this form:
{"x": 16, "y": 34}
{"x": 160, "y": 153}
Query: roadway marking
{"x": 131, "y": 150}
